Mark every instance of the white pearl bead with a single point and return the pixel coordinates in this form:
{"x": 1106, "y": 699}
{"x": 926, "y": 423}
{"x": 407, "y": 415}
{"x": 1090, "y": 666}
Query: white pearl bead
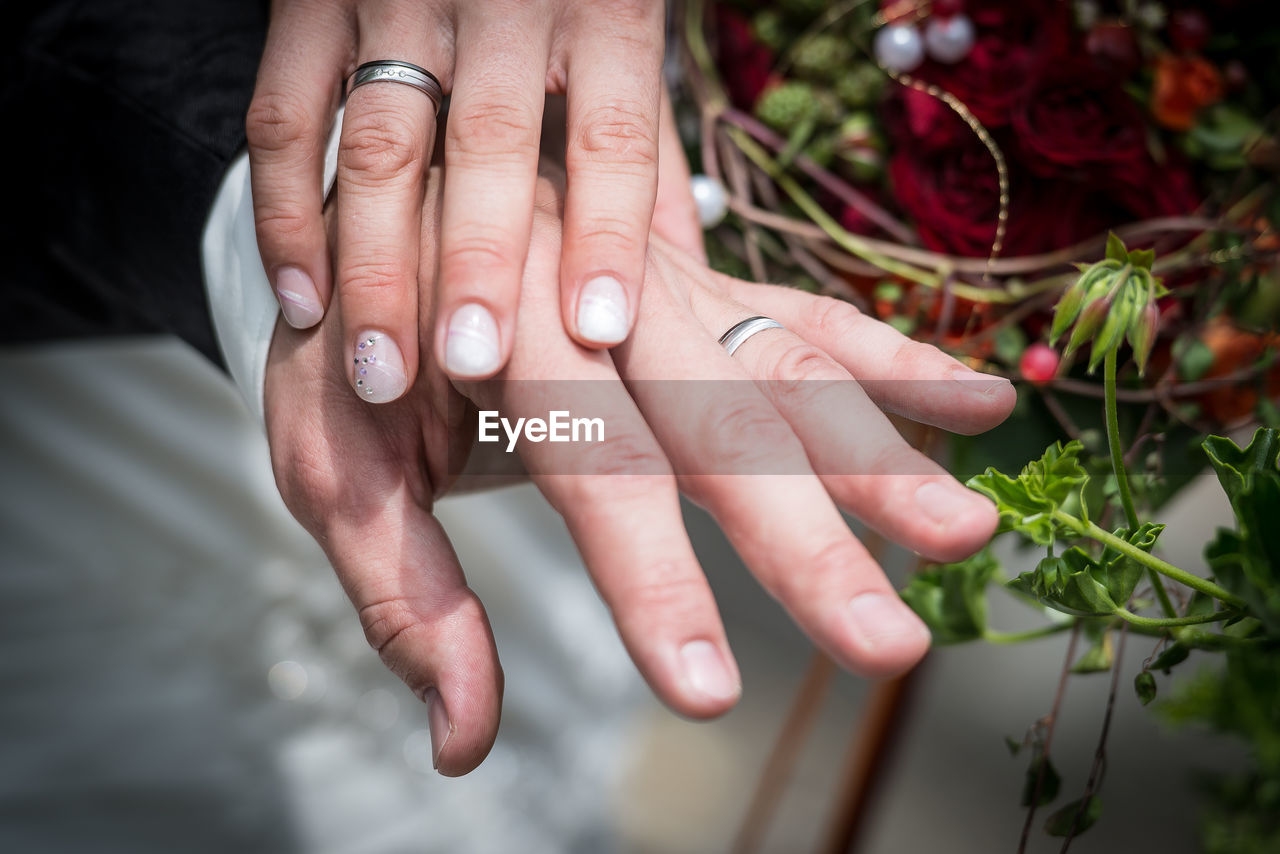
{"x": 949, "y": 39}
{"x": 712, "y": 200}
{"x": 898, "y": 47}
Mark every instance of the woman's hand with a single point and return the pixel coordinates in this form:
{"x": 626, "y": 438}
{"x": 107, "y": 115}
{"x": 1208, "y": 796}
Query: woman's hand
{"x": 499, "y": 58}
{"x": 681, "y": 413}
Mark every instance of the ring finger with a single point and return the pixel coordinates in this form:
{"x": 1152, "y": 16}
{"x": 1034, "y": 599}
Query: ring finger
{"x": 386, "y": 142}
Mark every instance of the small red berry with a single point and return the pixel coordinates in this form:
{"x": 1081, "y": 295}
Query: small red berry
{"x": 947, "y": 8}
{"x": 1039, "y": 363}
{"x": 1188, "y": 30}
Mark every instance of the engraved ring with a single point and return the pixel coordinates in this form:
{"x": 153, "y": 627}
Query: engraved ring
{"x": 395, "y": 71}
{"x": 741, "y": 331}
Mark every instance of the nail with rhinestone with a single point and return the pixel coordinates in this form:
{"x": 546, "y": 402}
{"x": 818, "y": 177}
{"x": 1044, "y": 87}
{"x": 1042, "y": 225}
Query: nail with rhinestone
{"x": 377, "y": 372}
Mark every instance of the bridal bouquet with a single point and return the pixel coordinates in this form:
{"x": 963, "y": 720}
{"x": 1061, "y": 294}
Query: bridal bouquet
{"x": 1049, "y": 189}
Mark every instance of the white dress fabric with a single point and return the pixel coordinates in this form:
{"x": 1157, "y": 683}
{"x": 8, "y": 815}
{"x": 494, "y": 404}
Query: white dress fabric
{"x": 179, "y": 670}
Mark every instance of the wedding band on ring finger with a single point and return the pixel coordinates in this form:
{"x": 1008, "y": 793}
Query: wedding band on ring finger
{"x": 738, "y": 334}
{"x": 398, "y": 71}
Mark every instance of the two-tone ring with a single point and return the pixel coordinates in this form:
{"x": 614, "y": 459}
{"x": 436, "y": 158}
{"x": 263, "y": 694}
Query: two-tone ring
{"x": 396, "y": 71}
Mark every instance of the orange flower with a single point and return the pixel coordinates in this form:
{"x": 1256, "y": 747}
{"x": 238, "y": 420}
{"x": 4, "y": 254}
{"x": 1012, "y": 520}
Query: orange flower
{"x": 1183, "y": 86}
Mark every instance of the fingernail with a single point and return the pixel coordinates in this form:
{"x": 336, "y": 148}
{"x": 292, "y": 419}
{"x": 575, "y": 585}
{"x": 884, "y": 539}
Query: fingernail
{"x": 880, "y": 621}
{"x": 299, "y": 299}
{"x": 377, "y": 368}
{"x": 471, "y": 345}
{"x": 943, "y": 502}
{"x": 602, "y": 311}
{"x": 438, "y": 719}
{"x": 707, "y": 672}
{"x": 978, "y": 383}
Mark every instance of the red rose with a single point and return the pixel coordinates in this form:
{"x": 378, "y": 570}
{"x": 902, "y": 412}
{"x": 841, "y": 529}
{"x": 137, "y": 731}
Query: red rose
{"x": 918, "y": 119}
{"x": 745, "y": 63}
{"x": 954, "y": 199}
{"x": 1015, "y": 40}
{"x": 1077, "y": 122}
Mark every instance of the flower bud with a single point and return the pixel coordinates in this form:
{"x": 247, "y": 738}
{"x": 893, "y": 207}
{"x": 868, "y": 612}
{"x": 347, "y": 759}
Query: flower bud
{"x": 1116, "y": 325}
{"x": 1091, "y": 319}
{"x": 1144, "y": 327}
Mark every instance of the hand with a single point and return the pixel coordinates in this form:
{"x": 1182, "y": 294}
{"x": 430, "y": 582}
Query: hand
{"x": 363, "y": 479}
{"x": 498, "y": 57}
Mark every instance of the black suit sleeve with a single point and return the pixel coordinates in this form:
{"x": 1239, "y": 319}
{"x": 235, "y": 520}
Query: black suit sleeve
{"x": 118, "y": 122}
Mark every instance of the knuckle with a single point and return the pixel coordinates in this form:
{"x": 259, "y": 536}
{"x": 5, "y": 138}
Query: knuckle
{"x": 374, "y": 276}
{"x": 666, "y": 592}
{"x": 281, "y": 221}
{"x": 387, "y": 621}
{"x": 831, "y": 317}
{"x": 622, "y": 134}
{"x": 478, "y": 247}
{"x": 621, "y": 234}
{"x": 380, "y": 144}
{"x": 912, "y": 358}
{"x": 823, "y": 575}
{"x": 278, "y": 121}
{"x": 801, "y": 373}
{"x": 307, "y": 484}
{"x": 494, "y": 128}
{"x": 744, "y": 435}
{"x": 623, "y": 455}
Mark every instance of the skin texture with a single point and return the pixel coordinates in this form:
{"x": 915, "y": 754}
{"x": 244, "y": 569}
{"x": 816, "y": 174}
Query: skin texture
{"x": 498, "y": 58}
{"x": 362, "y": 479}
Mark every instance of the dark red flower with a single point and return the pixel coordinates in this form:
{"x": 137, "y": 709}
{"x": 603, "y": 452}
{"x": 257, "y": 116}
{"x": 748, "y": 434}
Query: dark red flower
{"x": 1076, "y": 122}
{"x": 745, "y": 63}
{"x": 918, "y": 119}
{"x": 953, "y": 197}
{"x": 1016, "y": 39}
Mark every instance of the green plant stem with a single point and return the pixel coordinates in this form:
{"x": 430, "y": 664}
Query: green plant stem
{"x": 991, "y": 636}
{"x": 1170, "y": 623}
{"x": 1195, "y": 582}
{"x": 1122, "y": 476}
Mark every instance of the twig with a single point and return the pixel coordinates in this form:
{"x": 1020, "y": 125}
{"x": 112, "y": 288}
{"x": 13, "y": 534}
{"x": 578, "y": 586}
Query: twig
{"x": 878, "y": 733}
{"x": 833, "y": 184}
{"x": 782, "y": 759}
{"x": 1049, "y": 723}
{"x": 1099, "y": 768}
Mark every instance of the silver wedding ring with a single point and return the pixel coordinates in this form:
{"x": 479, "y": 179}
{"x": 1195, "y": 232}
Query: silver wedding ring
{"x": 395, "y": 71}
{"x": 741, "y": 331}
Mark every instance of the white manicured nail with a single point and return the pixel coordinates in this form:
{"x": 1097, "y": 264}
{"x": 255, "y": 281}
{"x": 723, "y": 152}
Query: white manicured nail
{"x": 602, "y": 311}
{"x": 377, "y": 368}
{"x": 299, "y": 300}
{"x": 471, "y": 344}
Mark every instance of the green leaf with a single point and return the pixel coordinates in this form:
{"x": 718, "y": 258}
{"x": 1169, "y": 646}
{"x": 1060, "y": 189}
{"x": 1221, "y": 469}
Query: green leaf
{"x": 1075, "y": 583}
{"x": 1069, "y": 583}
{"x": 1026, "y": 502}
{"x": 1116, "y": 250}
{"x": 1194, "y": 358}
{"x": 1049, "y": 785}
{"x": 1013, "y": 744}
{"x": 1144, "y": 684}
{"x": 1234, "y": 464}
{"x": 951, "y": 598}
{"x": 1074, "y": 818}
{"x": 1142, "y": 258}
{"x": 1246, "y": 561}
{"x": 1101, "y": 653}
